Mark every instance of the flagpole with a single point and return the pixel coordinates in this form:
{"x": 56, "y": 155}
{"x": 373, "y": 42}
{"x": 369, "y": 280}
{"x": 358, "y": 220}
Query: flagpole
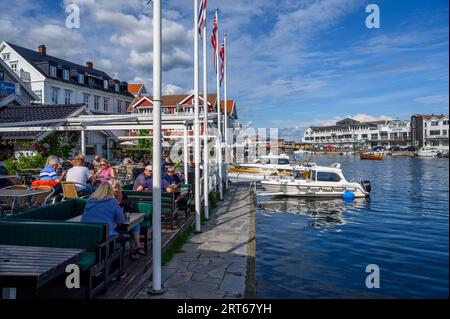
{"x": 157, "y": 93}
{"x": 225, "y": 120}
{"x": 196, "y": 121}
{"x": 205, "y": 124}
{"x": 219, "y": 129}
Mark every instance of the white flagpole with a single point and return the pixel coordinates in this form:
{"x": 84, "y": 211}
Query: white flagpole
{"x": 196, "y": 121}
{"x": 225, "y": 130}
{"x": 157, "y": 93}
{"x": 205, "y": 124}
{"x": 219, "y": 129}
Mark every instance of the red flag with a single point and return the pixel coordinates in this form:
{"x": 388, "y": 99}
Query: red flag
{"x": 222, "y": 58}
{"x": 201, "y": 15}
{"x": 214, "y": 38}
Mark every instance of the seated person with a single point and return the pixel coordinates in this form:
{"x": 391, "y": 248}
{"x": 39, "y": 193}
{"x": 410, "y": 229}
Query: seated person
{"x": 80, "y": 175}
{"x": 96, "y": 162}
{"x": 50, "y": 175}
{"x": 144, "y": 182}
{"x": 172, "y": 178}
{"x": 105, "y": 172}
{"x": 135, "y": 232}
{"x": 87, "y": 164}
{"x": 102, "y": 207}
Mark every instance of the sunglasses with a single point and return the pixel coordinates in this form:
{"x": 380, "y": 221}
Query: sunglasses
{"x": 170, "y": 171}
{"x": 102, "y": 164}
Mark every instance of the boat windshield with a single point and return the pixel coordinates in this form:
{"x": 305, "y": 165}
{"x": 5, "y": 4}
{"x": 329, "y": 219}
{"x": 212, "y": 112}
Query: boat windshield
{"x": 328, "y": 177}
{"x": 283, "y": 161}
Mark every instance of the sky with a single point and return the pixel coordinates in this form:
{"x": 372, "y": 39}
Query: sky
{"x": 291, "y": 63}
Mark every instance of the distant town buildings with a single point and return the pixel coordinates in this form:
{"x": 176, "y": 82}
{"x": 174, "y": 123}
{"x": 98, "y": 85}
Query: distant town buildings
{"x": 352, "y": 133}
{"x": 429, "y": 131}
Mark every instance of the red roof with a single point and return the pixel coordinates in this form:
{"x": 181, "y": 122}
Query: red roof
{"x": 135, "y": 88}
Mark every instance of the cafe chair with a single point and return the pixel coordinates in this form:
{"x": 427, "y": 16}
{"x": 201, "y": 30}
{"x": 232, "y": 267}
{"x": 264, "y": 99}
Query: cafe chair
{"x": 42, "y": 199}
{"x": 70, "y": 190}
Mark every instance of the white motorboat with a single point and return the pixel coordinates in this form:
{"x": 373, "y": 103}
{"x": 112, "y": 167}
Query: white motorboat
{"x": 321, "y": 181}
{"x": 428, "y": 152}
{"x": 265, "y": 166}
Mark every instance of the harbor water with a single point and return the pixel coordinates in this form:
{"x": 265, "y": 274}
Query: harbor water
{"x": 321, "y": 248}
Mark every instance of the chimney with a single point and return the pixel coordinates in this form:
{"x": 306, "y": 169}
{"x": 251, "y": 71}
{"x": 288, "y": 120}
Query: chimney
{"x": 89, "y": 65}
{"x": 42, "y": 49}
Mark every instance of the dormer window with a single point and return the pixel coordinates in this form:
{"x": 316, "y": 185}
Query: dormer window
{"x": 66, "y": 75}
{"x": 117, "y": 87}
{"x": 81, "y": 78}
{"x": 53, "y": 71}
{"x": 105, "y": 84}
{"x": 6, "y": 56}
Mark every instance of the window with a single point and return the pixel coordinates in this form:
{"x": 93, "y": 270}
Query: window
{"x": 86, "y": 99}
{"x": 6, "y": 56}
{"x": 119, "y": 106}
{"x": 55, "y": 93}
{"x": 444, "y": 132}
{"x": 67, "y": 96}
{"x": 96, "y": 102}
{"x": 53, "y": 71}
{"x": 38, "y": 94}
{"x": 445, "y": 122}
{"x": 66, "y": 75}
{"x": 105, "y": 84}
{"x": 105, "y": 104}
{"x": 435, "y": 123}
{"x": 14, "y": 66}
{"x": 328, "y": 177}
{"x": 373, "y": 136}
{"x": 116, "y": 87}
{"x": 81, "y": 78}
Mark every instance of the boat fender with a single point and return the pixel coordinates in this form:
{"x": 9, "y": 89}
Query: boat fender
{"x": 347, "y": 195}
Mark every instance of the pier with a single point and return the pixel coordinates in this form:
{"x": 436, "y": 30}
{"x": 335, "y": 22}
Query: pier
{"x": 219, "y": 262}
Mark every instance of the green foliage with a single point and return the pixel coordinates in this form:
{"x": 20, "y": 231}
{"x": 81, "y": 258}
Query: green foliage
{"x": 60, "y": 144}
{"x": 24, "y": 162}
{"x": 213, "y": 200}
{"x": 177, "y": 245}
{"x": 146, "y": 144}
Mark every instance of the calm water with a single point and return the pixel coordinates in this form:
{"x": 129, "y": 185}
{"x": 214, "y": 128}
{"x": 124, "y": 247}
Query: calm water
{"x": 320, "y": 249}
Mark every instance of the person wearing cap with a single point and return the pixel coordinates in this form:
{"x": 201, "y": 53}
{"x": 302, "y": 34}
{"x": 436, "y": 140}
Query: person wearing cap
{"x": 144, "y": 181}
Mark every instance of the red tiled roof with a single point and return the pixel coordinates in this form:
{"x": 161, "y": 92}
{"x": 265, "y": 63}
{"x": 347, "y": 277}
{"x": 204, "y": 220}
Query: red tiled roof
{"x": 428, "y": 116}
{"x": 134, "y": 88}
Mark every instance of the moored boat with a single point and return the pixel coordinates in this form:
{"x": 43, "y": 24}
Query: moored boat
{"x": 371, "y": 155}
{"x": 428, "y": 152}
{"x": 321, "y": 182}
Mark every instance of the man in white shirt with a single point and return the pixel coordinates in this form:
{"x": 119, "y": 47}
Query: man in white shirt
{"x": 80, "y": 175}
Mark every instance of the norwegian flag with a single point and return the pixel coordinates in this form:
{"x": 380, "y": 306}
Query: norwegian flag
{"x": 201, "y": 15}
{"x": 222, "y": 59}
{"x": 214, "y": 39}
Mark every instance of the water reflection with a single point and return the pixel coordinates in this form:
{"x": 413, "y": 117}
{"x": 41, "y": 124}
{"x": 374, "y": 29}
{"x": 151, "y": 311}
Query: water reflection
{"x": 321, "y": 213}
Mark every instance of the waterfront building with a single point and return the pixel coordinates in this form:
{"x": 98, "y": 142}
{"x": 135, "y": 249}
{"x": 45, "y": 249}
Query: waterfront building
{"x": 350, "y": 133}
{"x": 13, "y": 91}
{"x": 59, "y": 82}
{"x": 430, "y": 131}
{"x": 183, "y": 105}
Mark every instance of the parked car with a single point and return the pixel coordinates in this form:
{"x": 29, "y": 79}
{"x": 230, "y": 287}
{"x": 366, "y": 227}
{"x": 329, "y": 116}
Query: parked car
{"x": 395, "y": 148}
{"x": 409, "y": 148}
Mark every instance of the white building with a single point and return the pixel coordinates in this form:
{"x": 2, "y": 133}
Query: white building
{"x": 430, "y": 131}
{"x": 351, "y": 133}
{"x": 56, "y": 81}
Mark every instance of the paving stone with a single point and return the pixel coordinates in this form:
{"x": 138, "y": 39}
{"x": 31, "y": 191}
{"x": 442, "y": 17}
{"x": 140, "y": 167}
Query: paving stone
{"x": 167, "y": 272}
{"x": 218, "y": 272}
{"x": 178, "y": 278}
{"x": 233, "y": 284}
{"x": 186, "y": 256}
{"x": 178, "y": 265}
{"x": 202, "y": 269}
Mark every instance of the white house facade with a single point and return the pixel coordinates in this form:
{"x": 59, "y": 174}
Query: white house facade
{"x": 430, "y": 131}
{"x": 55, "y": 81}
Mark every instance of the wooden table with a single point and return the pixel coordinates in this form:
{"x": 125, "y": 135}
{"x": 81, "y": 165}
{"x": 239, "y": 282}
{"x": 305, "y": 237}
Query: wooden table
{"x": 32, "y": 267}
{"x": 18, "y": 193}
{"x": 135, "y": 219}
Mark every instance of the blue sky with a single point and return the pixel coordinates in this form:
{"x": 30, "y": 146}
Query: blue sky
{"x": 292, "y": 63}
